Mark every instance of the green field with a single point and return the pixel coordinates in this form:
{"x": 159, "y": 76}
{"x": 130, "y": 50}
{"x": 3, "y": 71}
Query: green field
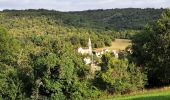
{"x": 120, "y": 44}
{"x": 152, "y": 95}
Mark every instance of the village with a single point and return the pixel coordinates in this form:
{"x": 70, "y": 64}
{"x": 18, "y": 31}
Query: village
{"x": 89, "y": 59}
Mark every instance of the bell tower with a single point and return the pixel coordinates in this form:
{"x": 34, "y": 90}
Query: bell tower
{"x": 90, "y": 46}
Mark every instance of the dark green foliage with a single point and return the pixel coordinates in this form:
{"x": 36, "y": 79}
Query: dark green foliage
{"x": 43, "y": 67}
{"x": 119, "y": 76}
{"x": 130, "y": 18}
{"x": 152, "y": 50}
{"x": 57, "y": 72}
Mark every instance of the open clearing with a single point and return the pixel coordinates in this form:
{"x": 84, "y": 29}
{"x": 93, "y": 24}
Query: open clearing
{"x": 120, "y": 44}
{"x": 155, "y": 94}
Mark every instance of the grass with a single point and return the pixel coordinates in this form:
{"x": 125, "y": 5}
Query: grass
{"x": 118, "y": 44}
{"x": 154, "y": 94}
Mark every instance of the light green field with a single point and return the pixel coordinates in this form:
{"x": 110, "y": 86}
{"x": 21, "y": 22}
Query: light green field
{"x": 150, "y": 95}
{"x": 120, "y": 44}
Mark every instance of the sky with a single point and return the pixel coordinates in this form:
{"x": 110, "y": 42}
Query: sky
{"x": 79, "y": 5}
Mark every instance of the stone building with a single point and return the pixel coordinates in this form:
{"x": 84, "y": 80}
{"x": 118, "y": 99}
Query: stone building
{"x": 85, "y": 51}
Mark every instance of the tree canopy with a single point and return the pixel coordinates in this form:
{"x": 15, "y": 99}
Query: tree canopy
{"x": 152, "y": 49}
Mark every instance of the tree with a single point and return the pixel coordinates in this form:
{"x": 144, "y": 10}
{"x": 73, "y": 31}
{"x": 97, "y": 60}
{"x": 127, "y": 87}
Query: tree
{"x": 9, "y": 82}
{"x": 152, "y": 50}
{"x": 59, "y": 73}
{"x": 120, "y": 76}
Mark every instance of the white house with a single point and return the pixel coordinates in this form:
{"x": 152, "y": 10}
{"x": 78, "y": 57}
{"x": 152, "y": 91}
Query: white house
{"x": 116, "y": 53}
{"x": 87, "y": 61}
{"x": 99, "y": 53}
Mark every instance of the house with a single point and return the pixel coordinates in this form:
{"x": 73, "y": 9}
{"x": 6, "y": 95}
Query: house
{"x": 95, "y": 68}
{"x": 100, "y": 52}
{"x": 116, "y": 53}
{"x": 87, "y": 61}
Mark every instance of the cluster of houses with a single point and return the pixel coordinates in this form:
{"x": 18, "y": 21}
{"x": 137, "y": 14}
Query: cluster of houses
{"x": 98, "y": 53}
{"x": 88, "y": 60}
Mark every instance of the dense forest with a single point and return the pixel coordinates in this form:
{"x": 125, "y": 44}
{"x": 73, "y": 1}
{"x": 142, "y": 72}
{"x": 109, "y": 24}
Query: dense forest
{"x": 117, "y": 19}
{"x": 102, "y": 25}
{"x": 39, "y": 59}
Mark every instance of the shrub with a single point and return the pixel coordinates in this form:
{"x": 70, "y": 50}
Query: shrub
{"x": 120, "y": 77}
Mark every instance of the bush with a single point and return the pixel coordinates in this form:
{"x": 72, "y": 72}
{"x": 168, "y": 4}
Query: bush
{"x": 120, "y": 77}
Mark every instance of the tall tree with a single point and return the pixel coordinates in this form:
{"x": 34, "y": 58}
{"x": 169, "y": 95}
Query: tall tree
{"x": 152, "y": 50}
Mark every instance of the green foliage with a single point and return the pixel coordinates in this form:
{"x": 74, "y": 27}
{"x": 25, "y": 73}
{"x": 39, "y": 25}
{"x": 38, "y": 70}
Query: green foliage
{"x": 58, "y": 72}
{"x": 9, "y": 82}
{"x": 39, "y": 60}
{"x": 102, "y": 25}
{"x": 151, "y": 50}
{"x": 43, "y": 67}
{"x": 120, "y": 76}
{"x": 8, "y": 48}
{"x": 129, "y": 18}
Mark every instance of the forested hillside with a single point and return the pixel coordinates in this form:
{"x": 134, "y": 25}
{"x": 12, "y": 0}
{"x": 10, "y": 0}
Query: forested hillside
{"x": 102, "y": 25}
{"x": 130, "y": 18}
{"x": 39, "y": 58}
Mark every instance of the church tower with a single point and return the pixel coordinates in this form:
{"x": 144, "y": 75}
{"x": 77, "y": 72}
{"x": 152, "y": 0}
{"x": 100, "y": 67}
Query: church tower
{"x": 90, "y": 47}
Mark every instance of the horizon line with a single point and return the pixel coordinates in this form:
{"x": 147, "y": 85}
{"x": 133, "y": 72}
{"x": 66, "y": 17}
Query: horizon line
{"x": 84, "y": 9}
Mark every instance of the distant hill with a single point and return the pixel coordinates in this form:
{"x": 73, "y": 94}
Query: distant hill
{"x": 129, "y": 18}
{"x": 103, "y": 26}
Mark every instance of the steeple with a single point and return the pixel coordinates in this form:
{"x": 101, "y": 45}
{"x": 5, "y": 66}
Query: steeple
{"x": 90, "y": 47}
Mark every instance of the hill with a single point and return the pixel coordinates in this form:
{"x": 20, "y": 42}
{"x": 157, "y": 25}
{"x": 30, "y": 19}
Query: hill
{"x": 102, "y": 25}
{"x": 129, "y": 18}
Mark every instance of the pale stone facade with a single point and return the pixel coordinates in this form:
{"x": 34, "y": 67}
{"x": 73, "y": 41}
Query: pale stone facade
{"x": 87, "y": 61}
{"x": 86, "y": 50}
{"x": 116, "y": 53}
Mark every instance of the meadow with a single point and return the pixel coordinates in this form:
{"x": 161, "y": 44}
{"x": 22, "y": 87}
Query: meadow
{"x": 153, "y": 94}
{"x": 120, "y": 44}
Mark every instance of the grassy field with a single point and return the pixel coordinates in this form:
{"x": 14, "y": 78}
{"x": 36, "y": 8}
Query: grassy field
{"x": 118, "y": 44}
{"x": 155, "y": 94}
